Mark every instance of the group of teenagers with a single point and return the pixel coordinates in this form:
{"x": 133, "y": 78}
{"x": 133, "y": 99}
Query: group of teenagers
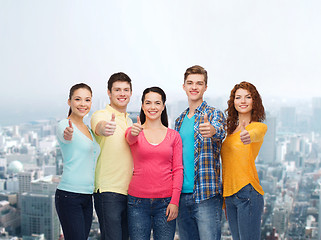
{"x": 143, "y": 175}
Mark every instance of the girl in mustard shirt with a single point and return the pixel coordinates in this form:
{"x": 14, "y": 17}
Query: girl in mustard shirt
{"x": 241, "y": 186}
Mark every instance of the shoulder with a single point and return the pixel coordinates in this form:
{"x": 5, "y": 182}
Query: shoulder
{"x": 174, "y": 135}
{"x": 213, "y": 112}
{"x": 181, "y": 115}
{"x": 63, "y": 124}
{"x": 258, "y": 126}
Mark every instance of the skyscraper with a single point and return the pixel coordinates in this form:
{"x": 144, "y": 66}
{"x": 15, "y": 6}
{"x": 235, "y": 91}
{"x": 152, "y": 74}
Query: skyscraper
{"x": 268, "y": 150}
{"x": 38, "y": 213}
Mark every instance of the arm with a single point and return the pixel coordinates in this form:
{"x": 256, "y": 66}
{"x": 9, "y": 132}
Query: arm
{"x": 177, "y": 168}
{"x": 257, "y": 134}
{"x": 218, "y": 121}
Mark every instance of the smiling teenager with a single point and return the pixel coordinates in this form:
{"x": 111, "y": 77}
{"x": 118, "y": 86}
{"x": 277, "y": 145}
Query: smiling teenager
{"x": 155, "y": 188}
{"x": 114, "y": 165}
{"x": 80, "y": 150}
{"x": 202, "y": 129}
{"x": 241, "y": 185}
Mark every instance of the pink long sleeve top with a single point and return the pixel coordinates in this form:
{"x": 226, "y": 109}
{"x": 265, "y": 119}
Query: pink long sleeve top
{"x": 158, "y": 169}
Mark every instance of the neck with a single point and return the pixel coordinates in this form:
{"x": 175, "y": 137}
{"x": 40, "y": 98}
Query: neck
{"x": 76, "y": 119}
{"x": 153, "y": 124}
{"x": 119, "y": 109}
{"x": 193, "y": 105}
{"x": 245, "y": 117}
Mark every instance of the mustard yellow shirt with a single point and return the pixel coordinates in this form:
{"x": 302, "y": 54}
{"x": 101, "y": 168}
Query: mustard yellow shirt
{"x": 114, "y": 165}
{"x": 238, "y": 160}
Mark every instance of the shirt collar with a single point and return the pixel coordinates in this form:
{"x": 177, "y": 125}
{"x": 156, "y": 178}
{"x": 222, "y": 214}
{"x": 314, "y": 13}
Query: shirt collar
{"x": 117, "y": 113}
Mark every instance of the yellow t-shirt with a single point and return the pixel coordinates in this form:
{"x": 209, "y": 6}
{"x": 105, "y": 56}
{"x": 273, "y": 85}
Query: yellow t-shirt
{"x": 114, "y": 167}
{"x": 238, "y": 160}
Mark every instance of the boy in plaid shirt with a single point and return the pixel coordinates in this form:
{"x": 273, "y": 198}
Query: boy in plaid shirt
{"x": 202, "y": 129}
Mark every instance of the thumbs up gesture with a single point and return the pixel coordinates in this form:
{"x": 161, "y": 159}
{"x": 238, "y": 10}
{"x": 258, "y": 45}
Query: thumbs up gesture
{"x": 206, "y": 128}
{"x": 244, "y": 135}
{"x": 136, "y": 128}
{"x": 68, "y": 132}
{"x": 109, "y": 127}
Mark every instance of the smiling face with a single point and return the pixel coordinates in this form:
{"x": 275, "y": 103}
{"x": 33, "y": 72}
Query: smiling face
{"x": 195, "y": 87}
{"x": 120, "y": 95}
{"x": 243, "y": 101}
{"x": 80, "y": 102}
{"x": 153, "y": 105}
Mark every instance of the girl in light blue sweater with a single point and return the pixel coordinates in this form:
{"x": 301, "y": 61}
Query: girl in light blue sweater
{"x": 80, "y": 150}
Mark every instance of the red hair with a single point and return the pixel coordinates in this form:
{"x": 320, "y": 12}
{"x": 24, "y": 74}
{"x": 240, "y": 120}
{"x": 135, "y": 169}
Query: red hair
{"x": 258, "y": 113}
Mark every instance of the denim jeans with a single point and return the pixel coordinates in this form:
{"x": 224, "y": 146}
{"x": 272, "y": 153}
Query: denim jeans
{"x": 75, "y": 212}
{"x": 199, "y": 220}
{"x": 244, "y": 210}
{"x": 111, "y": 209}
{"x": 145, "y": 214}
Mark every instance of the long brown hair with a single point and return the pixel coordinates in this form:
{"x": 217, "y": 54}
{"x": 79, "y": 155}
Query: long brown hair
{"x": 258, "y": 113}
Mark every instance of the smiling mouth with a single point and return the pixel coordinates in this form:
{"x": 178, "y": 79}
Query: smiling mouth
{"x": 121, "y": 99}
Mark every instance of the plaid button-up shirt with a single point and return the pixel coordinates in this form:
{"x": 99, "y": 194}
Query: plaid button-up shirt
{"x": 207, "y": 179}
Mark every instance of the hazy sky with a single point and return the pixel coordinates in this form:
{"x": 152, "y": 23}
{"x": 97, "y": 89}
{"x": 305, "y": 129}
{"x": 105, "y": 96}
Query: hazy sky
{"x": 47, "y": 46}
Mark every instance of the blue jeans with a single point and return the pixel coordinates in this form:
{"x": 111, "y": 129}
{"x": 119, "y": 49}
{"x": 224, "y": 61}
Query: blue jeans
{"x": 199, "y": 220}
{"x": 145, "y": 214}
{"x": 75, "y": 212}
{"x": 111, "y": 209}
{"x": 244, "y": 210}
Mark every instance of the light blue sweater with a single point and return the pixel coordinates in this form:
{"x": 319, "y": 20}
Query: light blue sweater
{"x": 79, "y": 160}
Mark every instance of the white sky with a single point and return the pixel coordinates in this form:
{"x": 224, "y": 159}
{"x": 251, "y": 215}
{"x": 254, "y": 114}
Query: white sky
{"x": 47, "y": 46}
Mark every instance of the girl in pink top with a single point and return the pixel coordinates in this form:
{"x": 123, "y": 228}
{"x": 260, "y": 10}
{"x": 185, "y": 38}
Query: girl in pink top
{"x": 154, "y": 191}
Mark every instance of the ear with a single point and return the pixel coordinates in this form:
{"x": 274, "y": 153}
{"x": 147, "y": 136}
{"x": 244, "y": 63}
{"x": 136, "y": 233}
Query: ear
{"x": 69, "y": 103}
{"x": 109, "y": 93}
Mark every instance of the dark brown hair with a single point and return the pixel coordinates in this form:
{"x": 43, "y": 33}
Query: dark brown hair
{"x": 121, "y": 77}
{"x": 196, "y": 70}
{"x": 258, "y": 113}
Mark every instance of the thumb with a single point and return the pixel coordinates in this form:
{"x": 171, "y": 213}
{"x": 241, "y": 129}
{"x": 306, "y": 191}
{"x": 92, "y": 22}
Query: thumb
{"x": 205, "y": 118}
{"x": 138, "y": 120}
{"x": 243, "y": 126}
{"x": 113, "y": 117}
{"x": 70, "y": 124}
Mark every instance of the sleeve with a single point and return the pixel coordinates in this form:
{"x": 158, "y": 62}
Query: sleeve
{"x": 60, "y": 131}
{"x": 96, "y": 118}
{"x": 129, "y": 137}
{"x": 218, "y": 122}
{"x": 257, "y": 133}
{"x": 177, "y": 169}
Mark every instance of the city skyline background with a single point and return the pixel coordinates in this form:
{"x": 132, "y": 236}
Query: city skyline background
{"x": 47, "y": 46}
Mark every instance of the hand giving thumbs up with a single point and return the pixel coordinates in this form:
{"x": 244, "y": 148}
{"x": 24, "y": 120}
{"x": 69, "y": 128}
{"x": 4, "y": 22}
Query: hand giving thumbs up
{"x": 136, "y": 128}
{"x": 244, "y": 135}
{"x": 68, "y": 132}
